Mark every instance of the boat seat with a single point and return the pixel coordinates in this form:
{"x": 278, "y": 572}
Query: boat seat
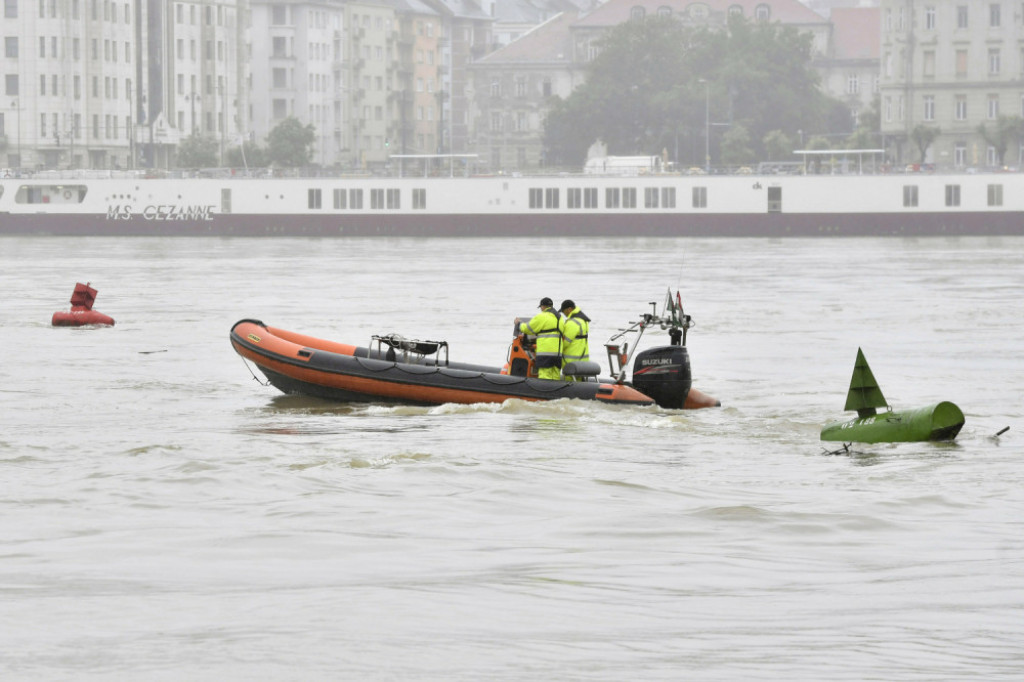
{"x": 581, "y": 369}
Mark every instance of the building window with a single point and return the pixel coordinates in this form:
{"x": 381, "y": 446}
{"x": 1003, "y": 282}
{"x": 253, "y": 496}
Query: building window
{"x": 852, "y": 84}
{"x": 990, "y": 156}
{"x": 546, "y": 87}
{"x": 11, "y": 47}
{"x": 611, "y": 197}
{"x": 960, "y": 108}
{"x": 551, "y": 197}
{"x": 496, "y": 122}
{"x": 929, "y": 63}
{"x": 536, "y": 197}
{"x": 995, "y": 195}
{"x": 887, "y": 108}
{"x": 993, "y": 61}
{"x": 961, "y": 16}
{"x": 929, "y": 107}
{"x": 909, "y": 196}
{"x": 960, "y": 154}
{"x": 520, "y": 87}
{"x": 961, "y": 63}
{"x": 994, "y": 15}
{"x": 314, "y": 198}
{"x": 993, "y": 107}
{"x": 637, "y": 13}
{"x": 355, "y": 198}
{"x": 952, "y": 195}
{"x": 700, "y": 197}
{"x": 763, "y": 12}
{"x": 929, "y": 17}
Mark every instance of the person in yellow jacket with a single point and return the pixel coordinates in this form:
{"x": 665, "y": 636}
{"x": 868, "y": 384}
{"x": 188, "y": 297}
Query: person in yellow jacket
{"x": 544, "y": 326}
{"x": 575, "y": 328}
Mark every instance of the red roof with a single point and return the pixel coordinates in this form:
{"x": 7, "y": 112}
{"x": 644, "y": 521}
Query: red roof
{"x": 615, "y": 12}
{"x": 857, "y": 32}
{"x": 548, "y": 42}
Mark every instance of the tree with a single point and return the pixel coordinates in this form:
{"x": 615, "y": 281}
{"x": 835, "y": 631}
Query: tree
{"x": 290, "y": 143}
{"x": 777, "y": 145}
{"x": 657, "y": 79}
{"x": 197, "y": 151}
{"x": 736, "y": 146}
{"x": 249, "y": 154}
{"x": 923, "y": 136}
{"x": 1005, "y": 130}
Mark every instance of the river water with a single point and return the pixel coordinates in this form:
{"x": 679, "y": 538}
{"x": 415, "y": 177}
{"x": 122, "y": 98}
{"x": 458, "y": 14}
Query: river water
{"x": 166, "y": 517}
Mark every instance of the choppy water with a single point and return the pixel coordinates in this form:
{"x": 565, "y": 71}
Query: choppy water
{"x": 165, "y": 517}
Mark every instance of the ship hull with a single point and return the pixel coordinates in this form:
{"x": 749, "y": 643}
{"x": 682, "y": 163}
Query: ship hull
{"x": 570, "y": 206}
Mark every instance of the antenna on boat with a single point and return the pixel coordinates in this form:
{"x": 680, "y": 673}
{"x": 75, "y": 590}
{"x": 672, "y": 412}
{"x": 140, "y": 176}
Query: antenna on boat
{"x": 672, "y": 318}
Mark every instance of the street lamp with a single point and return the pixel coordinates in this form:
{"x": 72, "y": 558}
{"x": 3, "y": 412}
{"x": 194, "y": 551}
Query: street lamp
{"x": 192, "y": 98}
{"x": 707, "y": 124}
{"x": 17, "y": 105}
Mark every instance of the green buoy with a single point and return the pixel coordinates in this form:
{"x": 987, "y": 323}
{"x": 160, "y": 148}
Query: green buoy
{"x": 941, "y": 421}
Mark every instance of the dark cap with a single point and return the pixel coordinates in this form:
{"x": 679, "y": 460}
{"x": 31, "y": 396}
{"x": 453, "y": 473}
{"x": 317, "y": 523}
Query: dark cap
{"x": 546, "y": 302}
{"x": 567, "y": 303}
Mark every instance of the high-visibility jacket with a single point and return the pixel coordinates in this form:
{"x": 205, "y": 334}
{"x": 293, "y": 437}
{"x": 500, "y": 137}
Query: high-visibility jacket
{"x": 575, "y": 331}
{"x": 544, "y": 326}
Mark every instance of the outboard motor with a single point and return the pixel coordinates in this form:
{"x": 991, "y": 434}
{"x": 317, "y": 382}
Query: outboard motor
{"x": 663, "y": 374}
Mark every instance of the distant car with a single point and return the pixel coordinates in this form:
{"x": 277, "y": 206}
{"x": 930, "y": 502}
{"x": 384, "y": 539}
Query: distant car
{"x": 695, "y": 171}
{"x": 745, "y": 170}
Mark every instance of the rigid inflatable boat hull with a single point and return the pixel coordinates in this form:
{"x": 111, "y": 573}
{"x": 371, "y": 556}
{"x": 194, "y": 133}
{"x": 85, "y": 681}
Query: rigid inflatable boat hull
{"x": 295, "y": 363}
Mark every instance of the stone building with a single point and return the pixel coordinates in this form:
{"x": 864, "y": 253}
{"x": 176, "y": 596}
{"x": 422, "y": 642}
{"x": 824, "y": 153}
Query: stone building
{"x": 849, "y": 66}
{"x": 513, "y": 85}
{"x": 952, "y": 66}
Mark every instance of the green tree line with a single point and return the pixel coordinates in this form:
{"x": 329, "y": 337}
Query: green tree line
{"x": 658, "y": 84}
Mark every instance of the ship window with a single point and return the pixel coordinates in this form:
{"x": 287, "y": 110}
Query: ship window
{"x": 574, "y": 197}
{"x": 419, "y": 198}
{"x": 629, "y": 197}
{"x": 909, "y": 195}
{"x": 50, "y": 194}
{"x": 225, "y": 201}
{"x": 590, "y": 197}
{"x": 995, "y": 195}
{"x": 775, "y": 200}
{"x": 314, "y": 198}
{"x": 339, "y": 198}
{"x": 376, "y": 198}
{"x": 611, "y": 197}
{"x": 668, "y": 197}
{"x": 700, "y": 197}
{"x": 650, "y": 197}
{"x": 394, "y": 198}
{"x": 551, "y": 197}
{"x": 536, "y": 197}
{"x": 952, "y": 195}
{"x": 355, "y": 198}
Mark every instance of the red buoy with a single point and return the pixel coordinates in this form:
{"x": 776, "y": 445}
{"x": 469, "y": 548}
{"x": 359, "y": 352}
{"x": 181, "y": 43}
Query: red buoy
{"x": 81, "y": 312}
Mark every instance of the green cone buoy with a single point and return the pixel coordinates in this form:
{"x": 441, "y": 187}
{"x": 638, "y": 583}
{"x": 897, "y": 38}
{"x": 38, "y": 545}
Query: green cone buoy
{"x": 941, "y": 421}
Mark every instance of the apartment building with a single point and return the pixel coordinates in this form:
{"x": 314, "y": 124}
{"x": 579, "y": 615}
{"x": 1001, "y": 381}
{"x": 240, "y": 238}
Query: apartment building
{"x": 951, "y": 65}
